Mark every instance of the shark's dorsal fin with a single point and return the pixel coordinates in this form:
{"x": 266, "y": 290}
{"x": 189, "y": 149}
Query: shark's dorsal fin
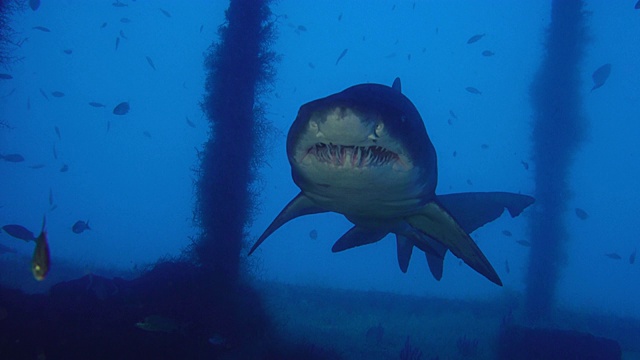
{"x": 299, "y": 206}
{"x": 396, "y": 85}
{"x": 434, "y": 221}
{"x": 357, "y": 236}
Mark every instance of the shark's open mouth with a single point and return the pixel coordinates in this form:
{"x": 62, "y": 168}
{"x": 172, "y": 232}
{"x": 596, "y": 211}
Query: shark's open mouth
{"x": 353, "y": 156}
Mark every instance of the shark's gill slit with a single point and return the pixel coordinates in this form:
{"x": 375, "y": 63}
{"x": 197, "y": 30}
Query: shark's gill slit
{"x": 350, "y": 155}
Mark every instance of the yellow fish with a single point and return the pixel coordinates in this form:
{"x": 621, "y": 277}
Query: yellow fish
{"x": 41, "y": 259}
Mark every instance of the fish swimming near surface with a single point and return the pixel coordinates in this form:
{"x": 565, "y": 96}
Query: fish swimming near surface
{"x": 165, "y": 12}
{"x": 117, "y": 42}
{"x": 488, "y": 53}
{"x": 122, "y": 108}
{"x": 14, "y": 158}
{"x": 41, "y": 260}
{"x": 57, "y": 94}
{"x": 600, "y": 76}
{"x": 41, "y": 28}
{"x": 96, "y": 104}
{"x": 475, "y": 38}
{"x": 365, "y": 153}
{"x": 150, "y": 61}
{"x": 7, "y": 250}
{"x": 5, "y": 77}
{"x": 34, "y": 4}
{"x": 80, "y": 226}
{"x": 313, "y": 234}
{"x": 473, "y": 90}
{"x": 581, "y": 214}
{"x": 632, "y": 257}
{"x": 19, "y": 232}
{"x": 614, "y": 256}
{"x": 342, "y": 54}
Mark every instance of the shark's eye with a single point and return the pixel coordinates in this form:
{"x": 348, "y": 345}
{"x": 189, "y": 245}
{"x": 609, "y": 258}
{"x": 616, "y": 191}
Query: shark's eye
{"x": 379, "y": 129}
{"x": 313, "y": 125}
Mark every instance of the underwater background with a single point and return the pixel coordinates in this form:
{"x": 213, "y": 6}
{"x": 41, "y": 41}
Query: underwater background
{"x": 133, "y": 177}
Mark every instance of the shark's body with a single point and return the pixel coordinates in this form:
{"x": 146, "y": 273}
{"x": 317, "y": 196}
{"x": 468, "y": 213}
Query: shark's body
{"x": 365, "y": 153}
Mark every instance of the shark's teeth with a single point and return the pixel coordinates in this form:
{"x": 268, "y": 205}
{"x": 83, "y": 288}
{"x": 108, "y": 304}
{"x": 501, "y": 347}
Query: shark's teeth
{"x": 353, "y": 156}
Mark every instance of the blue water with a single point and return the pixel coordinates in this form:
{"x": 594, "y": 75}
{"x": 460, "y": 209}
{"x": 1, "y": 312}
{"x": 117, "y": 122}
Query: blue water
{"x": 132, "y": 176}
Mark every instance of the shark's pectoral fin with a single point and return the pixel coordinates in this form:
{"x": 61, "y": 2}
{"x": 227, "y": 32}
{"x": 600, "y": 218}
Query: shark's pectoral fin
{"x": 299, "y": 206}
{"x": 436, "y": 222}
{"x": 405, "y": 248}
{"x": 357, "y": 236}
{"x": 473, "y": 210}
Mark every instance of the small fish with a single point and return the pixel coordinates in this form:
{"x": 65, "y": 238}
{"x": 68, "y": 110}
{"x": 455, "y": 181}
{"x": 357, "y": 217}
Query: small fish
{"x": 313, "y": 234}
{"x": 632, "y": 257}
{"x": 7, "y": 250}
{"x": 14, "y": 158}
{"x": 391, "y": 55}
{"x": 157, "y": 323}
{"x": 150, "y": 62}
{"x": 64, "y": 168}
{"x": 67, "y": 51}
{"x": 122, "y": 35}
{"x": 165, "y": 12}
{"x": 201, "y": 27}
{"x": 301, "y": 28}
{"x": 53, "y": 207}
{"x": 488, "y": 53}
{"x": 19, "y": 232}
{"x": 469, "y": 182}
{"x": 80, "y": 226}
{"x": 41, "y": 261}
{"x": 50, "y": 197}
{"x": 37, "y": 166}
{"x": 581, "y": 214}
{"x": 96, "y": 104}
{"x": 189, "y": 122}
{"x": 613, "y": 256}
{"x": 475, "y": 38}
{"x": 340, "y": 17}
{"x": 342, "y": 54}
{"x": 600, "y": 76}
{"x": 57, "y": 94}
{"x": 41, "y": 28}
{"x": 44, "y": 94}
{"x": 311, "y": 65}
{"x": 104, "y": 25}
{"x": 117, "y": 42}
{"x": 524, "y": 243}
{"x": 5, "y": 77}
{"x": 125, "y": 20}
{"x": 525, "y": 164}
{"x": 122, "y": 108}
{"x": 637, "y": 5}
{"x": 473, "y": 90}
{"x": 449, "y": 121}
{"x": 108, "y": 125}
{"x": 146, "y": 134}
{"x": 34, "y": 4}
{"x": 55, "y": 152}
{"x": 506, "y": 233}
{"x": 455, "y": 153}
{"x": 453, "y": 115}
{"x": 484, "y": 146}
{"x": 118, "y": 3}
{"x": 506, "y": 266}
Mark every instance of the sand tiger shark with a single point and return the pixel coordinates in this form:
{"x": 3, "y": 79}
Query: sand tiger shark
{"x": 365, "y": 153}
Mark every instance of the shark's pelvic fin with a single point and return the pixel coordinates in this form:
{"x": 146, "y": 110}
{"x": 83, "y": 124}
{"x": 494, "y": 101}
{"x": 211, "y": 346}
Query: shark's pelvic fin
{"x": 434, "y": 221}
{"x": 299, "y": 206}
{"x": 357, "y": 236}
{"x": 474, "y": 209}
{"x": 405, "y": 248}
